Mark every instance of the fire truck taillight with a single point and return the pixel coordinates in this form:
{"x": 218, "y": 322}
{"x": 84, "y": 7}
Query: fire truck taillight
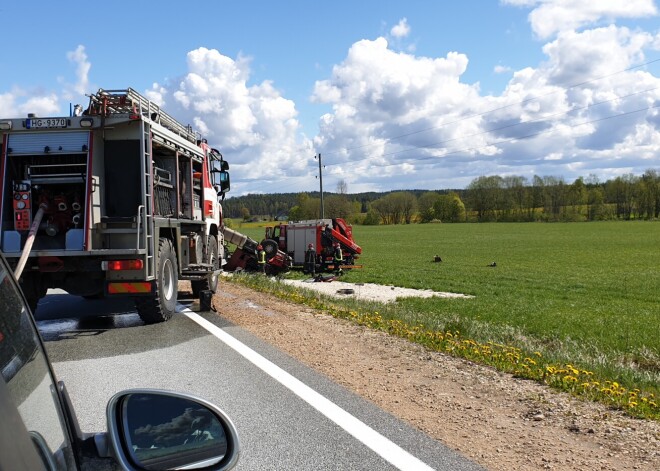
{"x": 121, "y": 265}
{"x": 5, "y": 125}
{"x": 208, "y": 208}
{"x": 86, "y": 122}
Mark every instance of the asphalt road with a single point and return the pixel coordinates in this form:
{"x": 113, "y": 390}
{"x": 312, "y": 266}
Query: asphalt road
{"x": 287, "y": 415}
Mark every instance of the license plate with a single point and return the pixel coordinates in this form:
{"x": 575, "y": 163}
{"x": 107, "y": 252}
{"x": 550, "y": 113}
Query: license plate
{"x": 36, "y": 123}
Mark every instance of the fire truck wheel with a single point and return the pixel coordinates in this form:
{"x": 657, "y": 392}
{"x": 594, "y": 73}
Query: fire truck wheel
{"x": 161, "y": 306}
{"x": 210, "y": 283}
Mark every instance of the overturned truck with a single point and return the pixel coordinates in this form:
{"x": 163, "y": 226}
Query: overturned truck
{"x": 285, "y": 246}
{"x": 245, "y": 255}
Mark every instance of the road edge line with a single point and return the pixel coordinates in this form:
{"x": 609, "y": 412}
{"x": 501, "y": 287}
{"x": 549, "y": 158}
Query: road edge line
{"x": 384, "y": 447}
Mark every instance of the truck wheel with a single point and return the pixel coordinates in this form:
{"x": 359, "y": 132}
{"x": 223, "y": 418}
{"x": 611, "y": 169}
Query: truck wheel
{"x": 270, "y": 247}
{"x": 161, "y": 306}
{"x": 211, "y": 282}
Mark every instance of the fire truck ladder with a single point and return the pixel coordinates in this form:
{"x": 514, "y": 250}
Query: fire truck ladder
{"x": 128, "y": 101}
{"x": 145, "y": 216}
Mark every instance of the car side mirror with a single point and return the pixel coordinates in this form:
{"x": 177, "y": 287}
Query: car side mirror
{"x": 158, "y": 430}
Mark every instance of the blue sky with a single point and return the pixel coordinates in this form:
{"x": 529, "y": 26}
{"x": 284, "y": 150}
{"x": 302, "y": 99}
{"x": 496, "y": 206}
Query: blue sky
{"x": 393, "y": 94}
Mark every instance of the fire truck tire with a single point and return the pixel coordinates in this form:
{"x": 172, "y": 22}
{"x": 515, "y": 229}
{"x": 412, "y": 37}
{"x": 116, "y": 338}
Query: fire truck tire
{"x": 210, "y": 283}
{"x": 162, "y": 305}
{"x": 270, "y": 247}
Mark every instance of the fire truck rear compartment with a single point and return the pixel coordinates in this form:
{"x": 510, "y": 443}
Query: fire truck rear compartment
{"x": 55, "y": 180}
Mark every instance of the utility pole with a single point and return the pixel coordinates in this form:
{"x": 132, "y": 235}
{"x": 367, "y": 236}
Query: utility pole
{"x": 321, "y": 185}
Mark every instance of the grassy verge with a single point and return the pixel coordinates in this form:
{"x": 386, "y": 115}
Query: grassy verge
{"x": 571, "y": 305}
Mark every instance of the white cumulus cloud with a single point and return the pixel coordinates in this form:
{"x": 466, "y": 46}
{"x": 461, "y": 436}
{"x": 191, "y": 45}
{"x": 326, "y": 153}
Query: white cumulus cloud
{"x": 255, "y": 127}
{"x": 401, "y": 29}
{"x": 381, "y": 100}
{"x": 549, "y": 17}
{"x": 78, "y": 57}
{"x": 20, "y": 102}
{"x": 405, "y": 121}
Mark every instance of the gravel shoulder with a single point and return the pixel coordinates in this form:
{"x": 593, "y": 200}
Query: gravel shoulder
{"x": 501, "y": 422}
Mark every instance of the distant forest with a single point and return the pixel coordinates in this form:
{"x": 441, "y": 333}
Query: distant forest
{"x": 487, "y": 198}
{"x": 279, "y": 205}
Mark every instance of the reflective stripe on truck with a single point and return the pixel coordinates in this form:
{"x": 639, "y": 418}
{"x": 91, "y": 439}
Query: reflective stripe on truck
{"x": 134, "y": 287}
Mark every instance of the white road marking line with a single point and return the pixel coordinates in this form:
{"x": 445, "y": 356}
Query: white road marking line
{"x": 384, "y": 447}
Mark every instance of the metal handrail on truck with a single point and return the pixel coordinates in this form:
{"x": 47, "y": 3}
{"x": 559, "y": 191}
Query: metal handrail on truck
{"x": 127, "y": 101}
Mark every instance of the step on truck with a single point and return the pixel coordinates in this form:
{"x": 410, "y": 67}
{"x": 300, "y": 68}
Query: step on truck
{"x": 118, "y": 199}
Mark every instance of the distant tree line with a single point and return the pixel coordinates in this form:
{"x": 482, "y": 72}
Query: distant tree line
{"x": 487, "y": 198}
{"x": 514, "y": 198}
{"x": 300, "y": 206}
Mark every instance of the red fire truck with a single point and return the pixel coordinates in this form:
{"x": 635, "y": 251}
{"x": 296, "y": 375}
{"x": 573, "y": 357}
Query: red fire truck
{"x": 117, "y": 200}
{"x": 293, "y": 239}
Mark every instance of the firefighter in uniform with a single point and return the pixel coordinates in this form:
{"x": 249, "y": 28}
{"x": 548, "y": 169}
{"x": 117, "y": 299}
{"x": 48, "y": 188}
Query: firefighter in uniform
{"x": 261, "y": 258}
{"x": 310, "y": 260}
{"x": 338, "y": 259}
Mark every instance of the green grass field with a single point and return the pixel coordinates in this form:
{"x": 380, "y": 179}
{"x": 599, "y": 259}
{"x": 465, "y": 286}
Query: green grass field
{"x": 587, "y": 294}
